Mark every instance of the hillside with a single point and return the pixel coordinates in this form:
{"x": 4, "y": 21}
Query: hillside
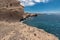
{"x": 20, "y": 31}
{"x": 11, "y": 12}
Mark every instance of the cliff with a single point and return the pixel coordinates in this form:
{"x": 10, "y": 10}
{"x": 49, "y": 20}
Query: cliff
{"x": 11, "y": 29}
{"x": 11, "y": 14}
{"x": 11, "y": 10}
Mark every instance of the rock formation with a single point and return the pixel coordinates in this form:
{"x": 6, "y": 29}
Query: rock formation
{"x": 21, "y": 31}
{"x": 11, "y": 9}
{"x": 10, "y": 29}
{"x": 9, "y": 3}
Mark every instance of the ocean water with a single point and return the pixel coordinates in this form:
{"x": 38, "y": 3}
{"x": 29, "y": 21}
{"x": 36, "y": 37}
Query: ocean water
{"x": 50, "y": 23}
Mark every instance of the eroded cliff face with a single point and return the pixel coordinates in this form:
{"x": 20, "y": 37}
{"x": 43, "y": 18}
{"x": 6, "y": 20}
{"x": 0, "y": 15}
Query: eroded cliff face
{"x": 10, "y": 29}
{"x": 9, "y": 3}
{"x": 11, "y": 10}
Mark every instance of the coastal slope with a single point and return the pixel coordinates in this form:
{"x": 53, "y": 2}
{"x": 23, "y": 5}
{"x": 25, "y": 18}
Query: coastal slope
{"x": 11, "y": 12}
{"x": 21, "y": 31}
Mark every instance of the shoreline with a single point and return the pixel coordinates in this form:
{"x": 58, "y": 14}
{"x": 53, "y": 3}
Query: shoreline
{"x": 23, "y": 31}
{"x": 11, "y": 13}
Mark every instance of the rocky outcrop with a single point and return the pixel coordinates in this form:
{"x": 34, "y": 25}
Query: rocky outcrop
{"x": 9, "y": 3}
{"x": 25, "y": 16}
{"x": 11, "y": 29}
{"x": 32, "y": 14}
{"x": 11, "y": 10}
{"x": 14, "y": 14}
{"x": 20, "y": 31}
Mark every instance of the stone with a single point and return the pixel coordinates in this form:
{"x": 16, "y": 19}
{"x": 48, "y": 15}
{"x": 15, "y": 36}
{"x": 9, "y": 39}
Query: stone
{"x": 11, "y": 10}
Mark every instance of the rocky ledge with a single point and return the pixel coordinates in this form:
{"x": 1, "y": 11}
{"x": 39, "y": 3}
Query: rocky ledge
{"x": 21, "y": 31}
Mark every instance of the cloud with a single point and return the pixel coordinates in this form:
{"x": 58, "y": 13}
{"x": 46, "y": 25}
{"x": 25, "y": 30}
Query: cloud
{"x": 27, "y": 3}
{"x": 37, "y": 0}
{"x": 31, "y": 2}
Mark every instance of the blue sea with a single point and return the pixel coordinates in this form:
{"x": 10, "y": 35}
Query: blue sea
{"x": 50, "y": 23}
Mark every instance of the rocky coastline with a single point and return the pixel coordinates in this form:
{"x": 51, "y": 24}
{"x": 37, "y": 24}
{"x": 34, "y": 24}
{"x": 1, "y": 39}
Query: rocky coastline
{"x": 21, "y": 31}
{"x": 12, "y": 29}
{"x": 11, "y": 13}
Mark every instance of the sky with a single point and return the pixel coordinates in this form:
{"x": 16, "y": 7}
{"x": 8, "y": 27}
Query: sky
{"x": 41, "y": 6}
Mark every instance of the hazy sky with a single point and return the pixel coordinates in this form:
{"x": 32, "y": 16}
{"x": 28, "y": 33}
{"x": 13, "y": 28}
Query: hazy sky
{"x": 44, "y": 6}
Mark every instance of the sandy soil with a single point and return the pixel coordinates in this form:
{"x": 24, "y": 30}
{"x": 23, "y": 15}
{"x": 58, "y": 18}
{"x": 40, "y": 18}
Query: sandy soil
{"x": 20, "y": 31}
